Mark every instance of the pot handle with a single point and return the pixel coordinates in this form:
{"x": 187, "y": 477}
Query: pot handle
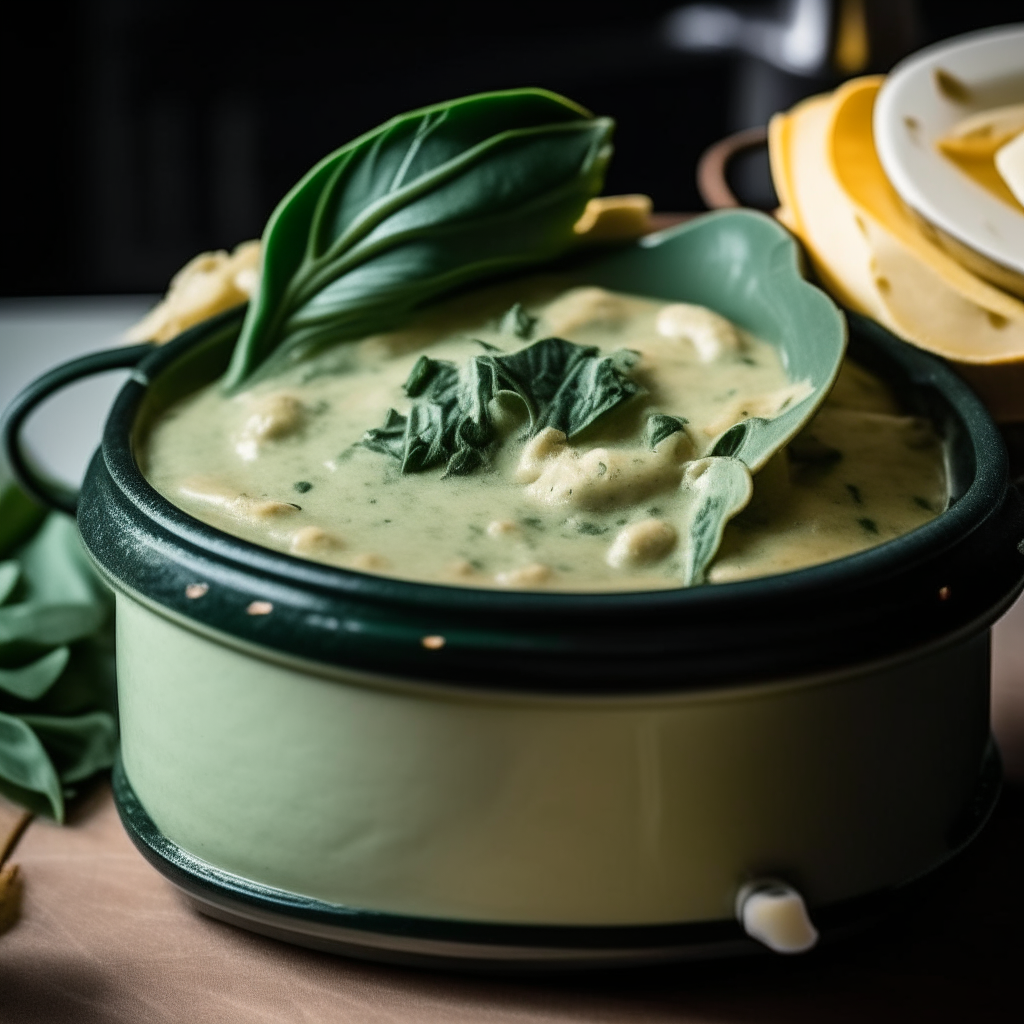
{"x": 711, "y": 181}
{"x": 34, "y": 483}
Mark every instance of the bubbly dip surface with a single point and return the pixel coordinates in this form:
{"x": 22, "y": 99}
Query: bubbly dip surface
{"x": 283, "y": 464}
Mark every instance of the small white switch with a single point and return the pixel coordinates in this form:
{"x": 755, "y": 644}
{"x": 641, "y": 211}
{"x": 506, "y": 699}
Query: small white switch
{"x": 775, "y": 914}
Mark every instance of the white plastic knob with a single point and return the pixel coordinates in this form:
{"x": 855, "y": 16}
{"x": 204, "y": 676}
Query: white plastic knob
{"x": 775, "y": 914}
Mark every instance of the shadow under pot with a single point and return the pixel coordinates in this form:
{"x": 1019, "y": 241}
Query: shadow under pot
{"x": 427, "y": 774}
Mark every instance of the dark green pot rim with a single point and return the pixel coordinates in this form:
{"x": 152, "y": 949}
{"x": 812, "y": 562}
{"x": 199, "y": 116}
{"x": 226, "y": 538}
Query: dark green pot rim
{"x": 947, "y": 579}
{"x": 461, "y": 944}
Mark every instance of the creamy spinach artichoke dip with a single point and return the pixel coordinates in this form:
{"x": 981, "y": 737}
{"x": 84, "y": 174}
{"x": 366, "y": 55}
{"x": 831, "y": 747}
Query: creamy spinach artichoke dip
{"x": 605, "y": 410}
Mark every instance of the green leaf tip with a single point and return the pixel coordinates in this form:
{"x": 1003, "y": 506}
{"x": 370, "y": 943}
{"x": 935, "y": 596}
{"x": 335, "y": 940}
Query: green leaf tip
{"x": 660, "y": 425}
{"x": 720, "y": 487}
{"x": 560, "y": 384}
{"x": 428, "y": 202}
{"x": 518, "y": 323}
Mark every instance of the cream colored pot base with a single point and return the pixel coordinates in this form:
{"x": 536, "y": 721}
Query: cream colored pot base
{"x": 466, "y": 945}
{"x": 418, "y": 801}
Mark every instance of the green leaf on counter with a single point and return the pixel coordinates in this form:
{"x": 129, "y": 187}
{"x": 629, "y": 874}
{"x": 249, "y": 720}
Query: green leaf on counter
{"x": 19, "y": 514}
{"x": 659, "y": 426}
{"x": 55, "y": 569}
{"x": 31, "y": 681}
{"x": 63, "y": 601}
{"x": 720, "y": 488}
{"x": 79, "y": 745}
{"x": 428, "y": 202}
{"x": 560, "y": 384}
{"x": 10, "y": 573}
{"x": 48, "y": 624}
{"x": 57, "y": 707}
{"x": 27, "y": 768}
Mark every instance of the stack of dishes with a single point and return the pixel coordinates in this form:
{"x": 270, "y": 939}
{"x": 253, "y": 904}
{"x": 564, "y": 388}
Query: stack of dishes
{"x": 908, "y": 193}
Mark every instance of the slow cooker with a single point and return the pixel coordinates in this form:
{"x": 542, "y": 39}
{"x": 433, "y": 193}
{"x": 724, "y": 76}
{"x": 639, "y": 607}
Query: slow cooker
{"x": 466, "y": 777}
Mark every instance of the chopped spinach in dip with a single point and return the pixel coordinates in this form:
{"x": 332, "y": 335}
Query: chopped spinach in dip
{"x": 544, "y": 437}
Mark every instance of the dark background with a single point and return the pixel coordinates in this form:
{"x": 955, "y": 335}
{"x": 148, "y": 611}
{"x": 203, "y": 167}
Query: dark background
{"x": 139, "y": 132}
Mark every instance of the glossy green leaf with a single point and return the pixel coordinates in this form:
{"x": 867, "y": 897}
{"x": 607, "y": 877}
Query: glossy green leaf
{"x": 79, "y": 745}
{"x": 430, "y": 201}
{"x": 33, "y": 680}
{"x": 50, "y": 624}
{"x": 10, "y": 573}
{"x": 25, "y": 764}
{"x": 57, "y": 710}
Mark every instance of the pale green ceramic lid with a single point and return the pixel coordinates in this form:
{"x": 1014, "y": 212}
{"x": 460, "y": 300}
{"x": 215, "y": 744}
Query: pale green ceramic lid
{"x": 745, "y": 266}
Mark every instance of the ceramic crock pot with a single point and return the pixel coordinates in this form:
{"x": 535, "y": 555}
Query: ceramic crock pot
{"x": 433, "y": 774}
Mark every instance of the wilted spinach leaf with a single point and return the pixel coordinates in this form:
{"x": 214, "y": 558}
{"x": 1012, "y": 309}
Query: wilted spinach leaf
{"x": 518, "y": 322}
{"x": 659, "y": 426}
{"x": 561, "y": 384}
{"x": 439, "y": 429}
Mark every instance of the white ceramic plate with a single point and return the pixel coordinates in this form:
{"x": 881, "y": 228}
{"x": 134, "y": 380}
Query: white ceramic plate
{"x": 912, "y": 113}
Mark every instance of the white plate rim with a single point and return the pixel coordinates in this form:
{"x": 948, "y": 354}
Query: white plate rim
{"x": 926, "y": 181}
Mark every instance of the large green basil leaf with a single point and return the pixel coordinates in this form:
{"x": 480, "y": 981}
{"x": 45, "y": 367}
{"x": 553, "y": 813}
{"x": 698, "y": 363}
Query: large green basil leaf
{"x": 427, "y": 202}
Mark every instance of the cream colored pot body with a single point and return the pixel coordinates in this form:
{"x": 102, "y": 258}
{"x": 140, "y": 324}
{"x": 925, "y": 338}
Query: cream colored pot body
{"x": 416, "y": 799}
